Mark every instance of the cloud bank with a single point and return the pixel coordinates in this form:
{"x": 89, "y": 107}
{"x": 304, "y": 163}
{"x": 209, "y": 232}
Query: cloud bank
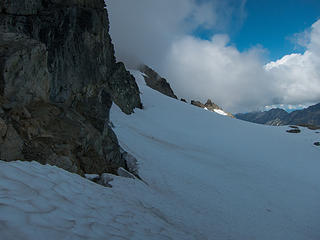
{"x": 159, "y": 34}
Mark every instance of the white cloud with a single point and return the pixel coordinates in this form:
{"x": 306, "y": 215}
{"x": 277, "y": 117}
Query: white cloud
{"x": 201, "y": 69}
{"x": 144, "y": 30}
{"x": 239, "y": 81}
{"x": 297, "y": 76}
{"x": 158, "y": 33}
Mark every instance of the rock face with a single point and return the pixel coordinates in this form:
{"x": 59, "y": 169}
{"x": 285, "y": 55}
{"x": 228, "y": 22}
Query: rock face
{"x": 23, "y": 69}
{"x": 81, "y": 58}
{"x": 211, "y": 106}
{"x": 58, "y": 78}
{"x": 156, "y": 82}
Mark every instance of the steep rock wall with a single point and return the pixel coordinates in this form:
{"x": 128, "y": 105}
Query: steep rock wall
{"x": 60, "y": 111}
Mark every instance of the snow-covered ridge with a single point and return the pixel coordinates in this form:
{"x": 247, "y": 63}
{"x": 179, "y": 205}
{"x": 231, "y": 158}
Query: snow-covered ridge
{"x": 206, "y": 177}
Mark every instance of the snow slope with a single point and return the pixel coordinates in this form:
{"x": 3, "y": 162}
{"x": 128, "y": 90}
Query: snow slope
{"x": 221, "y": 112}
{"x": 206, "y": 177}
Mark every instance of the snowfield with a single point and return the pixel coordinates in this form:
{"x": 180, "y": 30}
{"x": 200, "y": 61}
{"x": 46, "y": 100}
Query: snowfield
{"x": 221, "y": 112}
{"x": 206, "y": 176}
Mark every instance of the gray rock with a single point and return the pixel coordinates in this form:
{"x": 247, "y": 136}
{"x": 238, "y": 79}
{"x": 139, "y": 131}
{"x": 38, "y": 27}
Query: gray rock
{"x": 33, "y": 7}
{"x": 23, "y": 69}
{"x": 63, "y": 162}
{"x": 11, "y": 148}
{"x": 197, "y": 104}
{"x": 156, "y": 82}
{"x": 3, "y": 128}
{"x": 209, "y": 105}
{"x": 297, "y": 130}
{"x": 80, "y": 52}
{"x": 131, "y": 163}
{"x": 105, "y": 180}
{"x": 58, "y": 77}
{"x": 111, "y": 149}
{"x": 124, "y": 89}
{"x": 124, "y": 173}
{"x": 27, "y": 7}
{"x": 92, "y": 177}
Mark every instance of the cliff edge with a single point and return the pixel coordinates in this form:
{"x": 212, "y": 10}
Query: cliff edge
{"x": 58, "y": 79}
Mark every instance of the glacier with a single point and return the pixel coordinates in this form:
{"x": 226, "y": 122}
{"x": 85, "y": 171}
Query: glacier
{"x": 204, "y": 176}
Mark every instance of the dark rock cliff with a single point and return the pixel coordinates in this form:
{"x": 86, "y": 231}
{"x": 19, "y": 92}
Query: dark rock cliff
{"x": 58, "y": 78}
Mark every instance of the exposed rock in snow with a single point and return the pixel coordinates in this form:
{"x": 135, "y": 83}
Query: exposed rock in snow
{"x": 210, "y": 106}
{"x": 124, "y": 173}
{"x": 156, "y": 82}
{"x": 92, "y": 177}
{"x": 105, "y": 179}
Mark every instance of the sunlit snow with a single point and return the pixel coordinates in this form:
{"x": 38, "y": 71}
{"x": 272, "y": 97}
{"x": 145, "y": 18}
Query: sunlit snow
{"x": 205, "y": 176}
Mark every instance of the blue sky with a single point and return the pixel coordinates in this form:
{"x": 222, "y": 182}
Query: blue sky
{"x": 271, "y": 24}
{"x": 212, "y": 48}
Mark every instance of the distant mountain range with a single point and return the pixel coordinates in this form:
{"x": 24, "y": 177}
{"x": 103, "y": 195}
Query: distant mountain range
{"x": 306, "y": 117}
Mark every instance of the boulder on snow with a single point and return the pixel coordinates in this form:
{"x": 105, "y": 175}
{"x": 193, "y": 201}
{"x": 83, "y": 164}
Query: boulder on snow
{"x": 295, "y": 130}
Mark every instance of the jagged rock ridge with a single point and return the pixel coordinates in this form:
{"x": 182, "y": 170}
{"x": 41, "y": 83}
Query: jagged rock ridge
{"x": 58, "y": 78}
{"x": 211, "y": 106}
{"x": 156, "y": 82}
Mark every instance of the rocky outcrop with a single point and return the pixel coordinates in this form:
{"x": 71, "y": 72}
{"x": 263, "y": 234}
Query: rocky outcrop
{"x": 211, "y": 106}
{"x": 81, "y": 58}
{"x": 197, "y": 104}
{"x": 127, "y": 98}
{"x": 208, "y": 105}
{"x": 58, "y": 78}
{"x": 156, "y": 82}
